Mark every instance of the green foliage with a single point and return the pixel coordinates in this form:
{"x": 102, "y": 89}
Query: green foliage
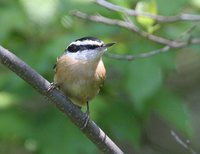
{"x": 168, "y": 105}
{"x": 143, "y": 81}
{"x": 39, "y": 31}
{"x": 149, "y": 6}
{"x": 7, "y": 99}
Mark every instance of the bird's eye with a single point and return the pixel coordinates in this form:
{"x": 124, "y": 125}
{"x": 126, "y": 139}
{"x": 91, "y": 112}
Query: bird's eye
{"x": 73, "y": 48}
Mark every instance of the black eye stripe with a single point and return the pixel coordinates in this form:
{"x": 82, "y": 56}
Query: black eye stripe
{"x": 90, "y": 46}
{"x": 75, "y": 48}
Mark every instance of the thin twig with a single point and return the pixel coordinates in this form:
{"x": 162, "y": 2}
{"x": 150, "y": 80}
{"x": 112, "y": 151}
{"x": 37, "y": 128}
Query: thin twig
{"x": 158, "y": 18}
{"x": 92, "y": 131}
{"x": 169, "y": 44}
{"x": 158, "y": 51}
{"x": 185, "y": 144}
{"x": 124, "y": 24}
{"x": 132, "y": 27}
{"x": 138, "y": 56}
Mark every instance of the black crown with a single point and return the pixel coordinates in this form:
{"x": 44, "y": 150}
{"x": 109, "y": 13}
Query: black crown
{"x": 73, "y": 47}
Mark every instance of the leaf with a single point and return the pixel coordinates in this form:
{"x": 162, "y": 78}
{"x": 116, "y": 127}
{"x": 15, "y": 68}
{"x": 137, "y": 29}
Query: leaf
{"x": 148, "y": 7}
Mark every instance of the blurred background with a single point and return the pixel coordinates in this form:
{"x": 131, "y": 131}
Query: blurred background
{"x": 141, "y": 101}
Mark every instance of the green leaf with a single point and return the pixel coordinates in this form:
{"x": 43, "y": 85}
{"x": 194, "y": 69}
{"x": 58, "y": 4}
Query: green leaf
{"x": 148, "y": 7}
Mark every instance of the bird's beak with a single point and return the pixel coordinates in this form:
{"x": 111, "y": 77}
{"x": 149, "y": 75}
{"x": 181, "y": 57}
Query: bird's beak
{"x": 109, "y": 44}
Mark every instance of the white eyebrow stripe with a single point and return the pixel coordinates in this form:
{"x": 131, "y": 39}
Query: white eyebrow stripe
{"x": 87, "y": 42}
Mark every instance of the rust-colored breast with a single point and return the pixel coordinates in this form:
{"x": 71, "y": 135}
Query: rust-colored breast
{"x": 79, "y": 80}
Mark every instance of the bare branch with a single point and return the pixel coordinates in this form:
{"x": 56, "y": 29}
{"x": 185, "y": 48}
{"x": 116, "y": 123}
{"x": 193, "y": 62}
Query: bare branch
{"x": 132, "y": 27}
{"x": 124, "y": 24}
{"x": 158, "y": 18}
{"x": 138, "y": 56}
{"x": 92, "y": 131}
{"x": 169, "y": 44}
{"x": 185, "y": 144}
{"x": 151, "y": 53}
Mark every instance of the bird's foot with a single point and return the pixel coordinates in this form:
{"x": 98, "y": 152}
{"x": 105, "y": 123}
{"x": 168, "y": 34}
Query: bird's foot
{"x": 87, "y": 116}
{"x": 86, "y": 120}
{"x": 52, "y": 86}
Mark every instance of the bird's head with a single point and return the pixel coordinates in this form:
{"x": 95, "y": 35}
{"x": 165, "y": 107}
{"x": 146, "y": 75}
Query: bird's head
{"x": 87, "y": 48}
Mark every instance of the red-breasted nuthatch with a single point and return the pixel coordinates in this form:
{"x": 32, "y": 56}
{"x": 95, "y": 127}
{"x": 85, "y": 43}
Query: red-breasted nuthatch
{"x": 80, "y": 72}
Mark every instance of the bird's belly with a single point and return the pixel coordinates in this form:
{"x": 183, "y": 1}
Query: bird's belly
{"x": 84, "y": 90}
{"x": 80, "y": 81}
{"x": 79, "y": 89}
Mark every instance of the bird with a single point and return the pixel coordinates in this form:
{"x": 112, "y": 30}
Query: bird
{"x": 80, "y": 71}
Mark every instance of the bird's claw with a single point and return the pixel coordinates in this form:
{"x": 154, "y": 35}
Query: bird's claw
{"x": 52, "y": 86}
{"x": 87, "y": 117}
{"x": 86, "y": 120}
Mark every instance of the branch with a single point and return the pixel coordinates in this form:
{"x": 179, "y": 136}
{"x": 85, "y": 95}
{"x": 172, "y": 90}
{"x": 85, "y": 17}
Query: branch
{"x": 158, "y": 18}
{"x": 169, "y": 44}
{"x": 132, "y": 27}
{"x": 185, "y": 144}
{"x": 92, "y": 131}
{"x": 151, "y": 53}
{"x": 138, "y": 56}
{"x": 123, "y": 24}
